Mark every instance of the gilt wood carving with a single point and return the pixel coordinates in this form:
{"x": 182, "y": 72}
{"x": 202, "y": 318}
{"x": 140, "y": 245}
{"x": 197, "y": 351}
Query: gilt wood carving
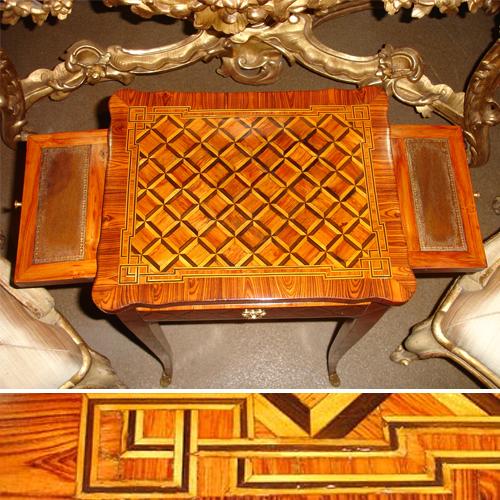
{"x": 254, "y": 39}
{"x": 12, "y": 105}
{"x": 347, "y": 446}
{"x": 214, "y": 198}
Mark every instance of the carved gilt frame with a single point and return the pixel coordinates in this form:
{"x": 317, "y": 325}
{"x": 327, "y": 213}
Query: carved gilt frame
{"x": 254, "y": 39}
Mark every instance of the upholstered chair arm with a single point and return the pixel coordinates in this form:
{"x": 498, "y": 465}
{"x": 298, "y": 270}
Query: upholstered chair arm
{"x": 468, "y": 319}
{"x": 37, "y": 301}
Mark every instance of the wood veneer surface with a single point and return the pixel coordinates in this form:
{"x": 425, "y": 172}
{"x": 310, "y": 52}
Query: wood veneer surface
{"x": 438, "y": 209}
{"x": 215, "y": 198}
{"x": 345, "y": 446}
{"x": 61, "y": 208}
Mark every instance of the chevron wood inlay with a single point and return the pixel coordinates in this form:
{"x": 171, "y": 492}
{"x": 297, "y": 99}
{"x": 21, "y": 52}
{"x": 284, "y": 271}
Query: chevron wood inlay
{"x": 347, "y": 446}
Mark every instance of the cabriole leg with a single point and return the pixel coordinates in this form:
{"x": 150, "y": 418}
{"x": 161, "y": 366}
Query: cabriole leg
{"x": 151, "y": 335}
{"x": 348, "y": 334}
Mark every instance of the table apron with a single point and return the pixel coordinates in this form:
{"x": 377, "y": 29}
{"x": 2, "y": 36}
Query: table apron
{"x": 237, "y": 312}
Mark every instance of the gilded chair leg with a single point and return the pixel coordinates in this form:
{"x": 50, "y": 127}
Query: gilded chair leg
{"x": 349, "y": 333}
{"x": 402, "y": 356}
{"x": 151, "y": 335}
{"x": 420, "y": 344}
{"x": 496, "y": 205}
{"x": 100, "y": 375}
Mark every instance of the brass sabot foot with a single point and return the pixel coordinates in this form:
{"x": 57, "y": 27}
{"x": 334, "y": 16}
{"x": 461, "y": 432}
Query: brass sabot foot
{"x": 334, "y": 379}
{"x": 165, "y": 380}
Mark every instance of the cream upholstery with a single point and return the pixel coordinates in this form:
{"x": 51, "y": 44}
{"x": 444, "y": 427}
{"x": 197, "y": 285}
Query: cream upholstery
{"x": 473, "y": 323}
{"x": 38, "y": 347}
{"x": 33, "y": 353}
{"x": 466, "y": 325}
{"x": 470, "y": 326}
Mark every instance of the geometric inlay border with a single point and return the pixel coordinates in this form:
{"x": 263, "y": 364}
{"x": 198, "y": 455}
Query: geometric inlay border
{"x": 283, "y": 444}
{"x": 187, "y": 167}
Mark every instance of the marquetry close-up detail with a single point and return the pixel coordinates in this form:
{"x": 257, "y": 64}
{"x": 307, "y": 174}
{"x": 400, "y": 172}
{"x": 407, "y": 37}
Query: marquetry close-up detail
{"x": 287, "y": 443}
{"x": 114, "y": 446}
{"x": 268, "y": 187}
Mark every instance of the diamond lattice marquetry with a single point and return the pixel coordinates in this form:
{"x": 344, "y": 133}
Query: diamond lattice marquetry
{"x": 241, "y": 198}
{"x": 257, "y": 191}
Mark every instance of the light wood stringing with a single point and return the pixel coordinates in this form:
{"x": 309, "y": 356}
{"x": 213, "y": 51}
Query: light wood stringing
{"x": 114, "y": 291}
{"x": 73, "y": 271}
{"x": 471, "y": 258}
{"x": 342, "y": 446}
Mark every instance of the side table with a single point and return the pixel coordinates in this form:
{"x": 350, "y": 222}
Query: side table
{"x": 271, "y": 205}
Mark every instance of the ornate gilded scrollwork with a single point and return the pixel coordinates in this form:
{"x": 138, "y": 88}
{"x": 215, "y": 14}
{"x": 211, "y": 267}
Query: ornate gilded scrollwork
{"x": 86, "y": 62}
{"x": 482, "y": 109}
{"x": 39, "y": 10}
{"x": 233, "y": 16}
{"x": 228, "y": 16}
{"x": 254, "y": 39}
{"x": 12, "y": 107}
{"x": 399, "y": 70}
{"x": 252, "y": 62}
{"x": 421, "y": 8}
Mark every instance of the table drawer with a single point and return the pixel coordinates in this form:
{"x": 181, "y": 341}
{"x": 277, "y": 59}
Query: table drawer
{"x": 61, "y": 208}
{"x": 438, "y": 209}
{"x": 249, "y": 312}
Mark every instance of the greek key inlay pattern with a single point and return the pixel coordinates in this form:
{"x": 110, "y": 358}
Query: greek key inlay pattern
{"x": 169, "y": 446}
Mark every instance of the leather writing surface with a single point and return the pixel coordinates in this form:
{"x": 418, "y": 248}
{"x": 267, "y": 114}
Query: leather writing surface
{"x": 63, "y": 190}
{"x": 434, "y": 192}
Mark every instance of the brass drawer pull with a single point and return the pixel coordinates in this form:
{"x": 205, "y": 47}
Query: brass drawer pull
{"x": 253, "y": 313}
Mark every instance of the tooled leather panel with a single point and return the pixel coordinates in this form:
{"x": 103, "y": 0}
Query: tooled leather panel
{"x": 439, "y": 222}
{"x": 62, "y": 205}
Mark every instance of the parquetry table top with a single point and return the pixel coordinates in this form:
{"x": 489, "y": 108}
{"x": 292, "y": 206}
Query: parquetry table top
{"x": 214, "y": 198}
